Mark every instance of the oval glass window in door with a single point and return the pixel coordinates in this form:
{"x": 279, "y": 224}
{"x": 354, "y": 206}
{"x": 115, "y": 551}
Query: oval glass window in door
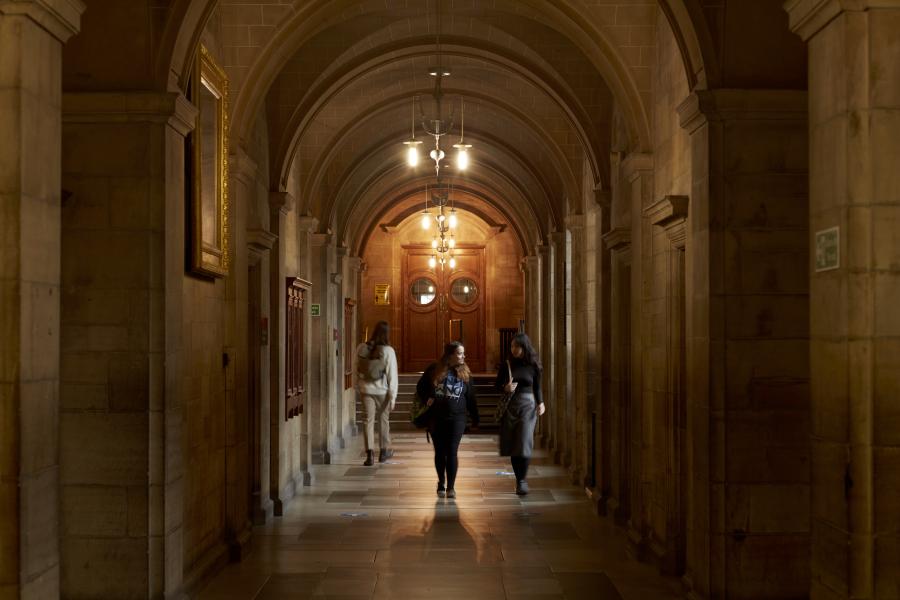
{"x": 464, "y": 291}
{"x": 423, "y": 291}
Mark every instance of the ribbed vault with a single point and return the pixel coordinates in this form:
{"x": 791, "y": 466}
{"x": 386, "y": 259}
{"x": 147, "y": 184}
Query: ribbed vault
{"x": 538, "y": 113}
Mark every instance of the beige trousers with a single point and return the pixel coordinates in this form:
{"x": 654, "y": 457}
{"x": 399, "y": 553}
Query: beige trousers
{"x": 377, "y": 406}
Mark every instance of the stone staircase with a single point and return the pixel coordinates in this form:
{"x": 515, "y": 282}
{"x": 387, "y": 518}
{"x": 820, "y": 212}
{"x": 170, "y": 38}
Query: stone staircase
{"x": 484, "y": 390}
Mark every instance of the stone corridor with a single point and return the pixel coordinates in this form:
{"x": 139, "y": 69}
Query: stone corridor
{"x": 381, "y": 532}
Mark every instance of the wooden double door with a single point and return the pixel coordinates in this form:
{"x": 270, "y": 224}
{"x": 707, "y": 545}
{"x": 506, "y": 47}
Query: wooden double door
{"x": 441, "y": 305}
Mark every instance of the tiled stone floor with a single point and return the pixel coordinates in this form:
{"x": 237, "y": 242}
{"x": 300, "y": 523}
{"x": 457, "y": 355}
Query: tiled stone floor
{"x": 381, "y": 532}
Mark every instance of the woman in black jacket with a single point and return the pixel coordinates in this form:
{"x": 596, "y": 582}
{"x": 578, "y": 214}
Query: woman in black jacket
{"x": 521, "y": 377}
{"x": 450, "y": 392}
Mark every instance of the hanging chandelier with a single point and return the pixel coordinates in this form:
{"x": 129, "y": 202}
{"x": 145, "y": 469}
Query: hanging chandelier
{"x": 437, "y": 127}
{"x": 445, "y": 220}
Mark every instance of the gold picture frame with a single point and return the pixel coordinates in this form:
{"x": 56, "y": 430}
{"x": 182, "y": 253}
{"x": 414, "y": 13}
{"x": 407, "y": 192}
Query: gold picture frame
{"x": 209, "y": 156}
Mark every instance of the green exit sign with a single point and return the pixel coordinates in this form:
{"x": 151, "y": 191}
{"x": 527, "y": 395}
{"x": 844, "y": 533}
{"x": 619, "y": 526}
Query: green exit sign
{"x": 315, "y": 310}
{"x": 828, "y": 249}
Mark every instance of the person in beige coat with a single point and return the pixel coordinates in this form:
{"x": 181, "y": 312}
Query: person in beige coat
{"x": 376, "y": 383}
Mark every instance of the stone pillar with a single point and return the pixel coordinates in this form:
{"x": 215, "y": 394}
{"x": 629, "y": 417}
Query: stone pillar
{"x": 31, "y": 37}
{"x": 243, "y": 170}
{"x": 121, "y": 405}
{"x": 560, "y": 415}
{"x": 578, "y": 424}
{"x": 636, "y": 179}
{"x": 280, "y": 205}
{"x": 854, "y": 211}
{"x": 353, "y": 289}
{"x": 532, "y": 270}
{"x": 746, "y": 332}
{"x": 260, "y": 243}
{"x": 306, "y": 228}
{"x": 545, "y": 282}
{"x": 319, "y": 401}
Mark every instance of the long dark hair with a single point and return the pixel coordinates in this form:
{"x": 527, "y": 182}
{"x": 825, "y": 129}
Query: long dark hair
{"x": 441, "y": 367}
{"x": 380, "y": 337}
{"x": 529, "y": 354}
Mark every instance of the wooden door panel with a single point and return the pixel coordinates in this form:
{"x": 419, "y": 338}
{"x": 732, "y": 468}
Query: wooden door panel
{"x": 421, "y": 340}
{"x": 427, "y": 328}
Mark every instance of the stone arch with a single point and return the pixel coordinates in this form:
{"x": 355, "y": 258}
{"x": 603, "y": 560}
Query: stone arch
{"x": 571, "y": 21}
{"x": 695, "y": 42}
{"x": 554, "y": 91}
{"x": 182, "y": 32}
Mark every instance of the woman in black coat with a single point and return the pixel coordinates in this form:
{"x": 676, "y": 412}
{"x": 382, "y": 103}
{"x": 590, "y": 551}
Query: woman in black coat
{"x": 450, "y": 392}
{"x": 521, "y": 377}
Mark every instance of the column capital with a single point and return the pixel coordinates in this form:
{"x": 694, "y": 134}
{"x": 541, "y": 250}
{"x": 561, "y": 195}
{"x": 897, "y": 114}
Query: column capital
{"x": 617, "y": 238}
{"x": 281, "y": 202}
{"x": 636, "y": 163}
{"x": 542, "y": 250}
{"x": 307, "y": 224}
{"x": 557, "y": 237}
{"x": 260, "y": 240}
{"x": 806, "y": 18}
{"x": 171, "y": 108}
{"x": 574, "y": 222}
{"x": 704, "y": 106}
{"x": 320, "y": 240}
{"x": 242, "y": 166}
{"x": 61, "y": 18}
{"x": 355, "y": 263}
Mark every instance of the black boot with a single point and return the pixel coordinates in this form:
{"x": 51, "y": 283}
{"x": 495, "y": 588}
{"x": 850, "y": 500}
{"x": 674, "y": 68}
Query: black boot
{"x": 370, "y": 458}
{"x": 384, "y": 454}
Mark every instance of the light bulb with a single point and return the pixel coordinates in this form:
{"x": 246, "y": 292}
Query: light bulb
{"x": 452, "y": 263}
{"x": 432, "y": 262}
{"x": 412, "y": 156}
{"x": 452, "y": 242}
{"x": 453, "y": 219}
{"x": 426, "y": 219}
{"x": 462, "y": 159}
{"x": 434, "y": 243}
{"x": 431, "y": 289}
{"x": 465, "y": 289}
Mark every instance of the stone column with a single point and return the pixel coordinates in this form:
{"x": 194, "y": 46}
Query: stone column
{"x": 243, "y": 170}
{"x": 319, "y": 398}
{"x": 354, "y": 290}
{"x": 280, "y": 205}
{"x": 854, "y": 211}
{"x": 260, "y": 243}
{"x": 306, "y": 228}
{"x": 544, "y": 281}
{"x": 560, "y": 414}
{"x": 636, "y": 178}
{"x": 31, "y": 37}
{"x": 577, "y": 427}
{"x": 531, "y": 269}
{"x": 121, "y": 403}
{"x": 746, "y": 332}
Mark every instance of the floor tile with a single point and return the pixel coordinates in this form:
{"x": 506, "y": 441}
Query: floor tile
{"x": 381, "y": 532}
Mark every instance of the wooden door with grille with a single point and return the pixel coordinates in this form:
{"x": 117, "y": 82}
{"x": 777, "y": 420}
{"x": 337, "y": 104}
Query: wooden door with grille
{"x": 442, "y": 305}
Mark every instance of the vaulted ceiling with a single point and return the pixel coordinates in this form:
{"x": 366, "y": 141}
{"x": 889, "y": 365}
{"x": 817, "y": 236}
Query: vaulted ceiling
{"x": 538, "y": 110}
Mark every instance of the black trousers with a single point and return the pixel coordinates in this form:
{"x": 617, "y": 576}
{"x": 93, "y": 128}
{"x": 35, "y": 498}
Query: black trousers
{"x": 520, "y": 466}
{"x": 446, "y": 435}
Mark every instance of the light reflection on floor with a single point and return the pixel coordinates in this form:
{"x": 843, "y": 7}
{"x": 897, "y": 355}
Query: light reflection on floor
{"x": 381, "y": 532}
